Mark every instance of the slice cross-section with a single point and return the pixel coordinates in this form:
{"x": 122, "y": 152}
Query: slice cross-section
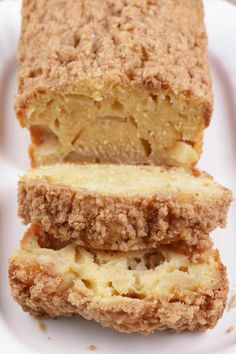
{"x": 128, "y": 291}
{"x": 123, "y": 207}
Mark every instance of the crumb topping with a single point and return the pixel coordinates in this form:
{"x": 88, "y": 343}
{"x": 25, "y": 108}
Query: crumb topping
{"x": 151, "y": 43}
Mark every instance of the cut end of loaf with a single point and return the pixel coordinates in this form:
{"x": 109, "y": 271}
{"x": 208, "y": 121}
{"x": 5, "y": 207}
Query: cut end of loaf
{"x": 114, "y": 124}
{"x": 123, "y": 82}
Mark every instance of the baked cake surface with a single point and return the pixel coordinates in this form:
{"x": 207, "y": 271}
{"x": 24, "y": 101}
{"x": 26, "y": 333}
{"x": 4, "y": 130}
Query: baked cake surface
{"x": 130, "y": 292}
{"x": 123, "y": 207}
{"x": 114, "y": 81}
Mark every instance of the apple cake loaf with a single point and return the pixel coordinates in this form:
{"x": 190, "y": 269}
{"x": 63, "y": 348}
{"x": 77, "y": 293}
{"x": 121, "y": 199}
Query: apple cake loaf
{"x": 123, "y": 207}
{"x": 140, "y": 291}
{"x": 114, "y": 81}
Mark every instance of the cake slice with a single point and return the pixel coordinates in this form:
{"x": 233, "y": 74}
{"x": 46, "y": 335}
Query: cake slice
{"x": 114, "y": 81}
{"x": 123, "y": 207}
{"x": 130, "y": 292}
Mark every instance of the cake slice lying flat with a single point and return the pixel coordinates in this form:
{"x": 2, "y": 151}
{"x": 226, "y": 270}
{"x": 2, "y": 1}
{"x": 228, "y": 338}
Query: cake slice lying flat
{"x": 119, "y": 207}
{"x": 114, "y": 81}
{"x": 130, "y": 292}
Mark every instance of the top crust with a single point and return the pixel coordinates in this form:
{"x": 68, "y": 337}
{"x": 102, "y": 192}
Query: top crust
{"x": 152, "y": 44}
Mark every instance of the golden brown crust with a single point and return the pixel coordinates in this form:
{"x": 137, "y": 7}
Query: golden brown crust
{"x": 115, "y": 41}
{"x": 40, "y": 290}
{"x": 121, "y": 222}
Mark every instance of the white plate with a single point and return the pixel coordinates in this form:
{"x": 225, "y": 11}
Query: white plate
{"x": 19, "y": 333}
